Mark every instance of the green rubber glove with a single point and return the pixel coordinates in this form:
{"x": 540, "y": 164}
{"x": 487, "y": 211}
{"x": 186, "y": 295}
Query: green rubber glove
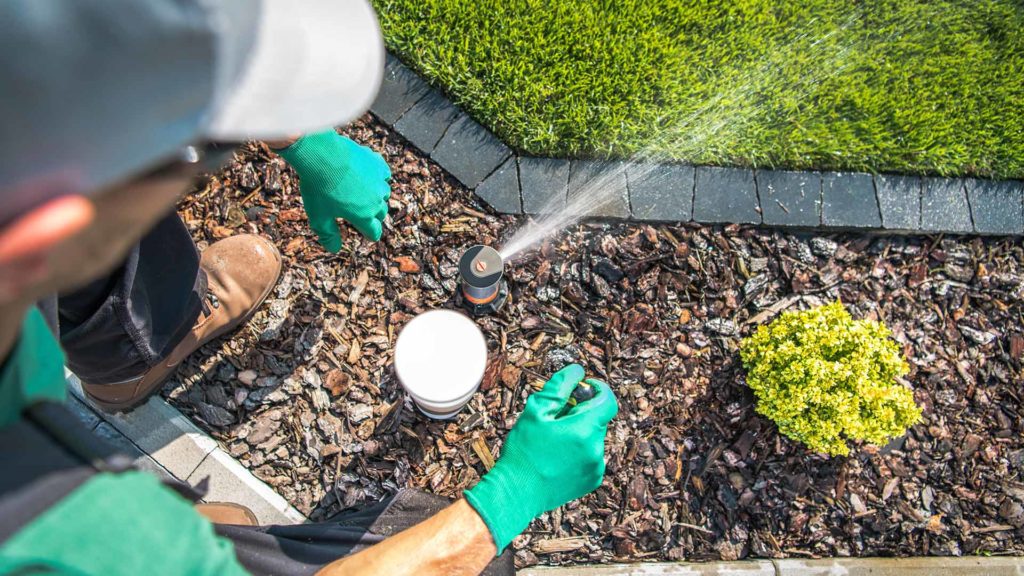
{"x": 551, "y": 456}
{"x": 340, "y": 179}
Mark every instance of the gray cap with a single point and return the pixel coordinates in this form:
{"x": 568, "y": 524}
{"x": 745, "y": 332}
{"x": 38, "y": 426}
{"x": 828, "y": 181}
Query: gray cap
{"x": 95, "y": 91}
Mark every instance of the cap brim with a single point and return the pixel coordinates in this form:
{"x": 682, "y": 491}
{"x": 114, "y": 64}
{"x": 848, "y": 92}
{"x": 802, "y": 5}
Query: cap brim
{"x": 309, "y": 65}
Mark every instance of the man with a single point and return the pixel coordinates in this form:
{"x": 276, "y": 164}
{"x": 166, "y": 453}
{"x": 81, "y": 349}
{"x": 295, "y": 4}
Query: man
{"x": 152, "y": 77}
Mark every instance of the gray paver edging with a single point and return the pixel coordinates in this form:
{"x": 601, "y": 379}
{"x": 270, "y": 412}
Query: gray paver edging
{"x": 931, "y": 566}
{"x": 163, "y": 441}
{"x": 512, "y": 183}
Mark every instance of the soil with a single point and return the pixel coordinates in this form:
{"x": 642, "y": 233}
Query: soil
{"x": 305, "y": 396}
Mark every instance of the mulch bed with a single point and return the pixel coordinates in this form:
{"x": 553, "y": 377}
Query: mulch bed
{"x": 305, "y": 395}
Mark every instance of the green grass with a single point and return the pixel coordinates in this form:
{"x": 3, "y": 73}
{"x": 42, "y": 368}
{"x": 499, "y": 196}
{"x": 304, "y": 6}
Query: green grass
{"x": 879, "y": 85}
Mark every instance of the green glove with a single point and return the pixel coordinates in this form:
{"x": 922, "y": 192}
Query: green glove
{"x": 340, "y": 179}
{"x": 551, "y": 456}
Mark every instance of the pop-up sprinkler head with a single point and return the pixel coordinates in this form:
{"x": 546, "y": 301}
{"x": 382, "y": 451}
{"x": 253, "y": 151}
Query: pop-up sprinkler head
{"x": 483, "y": 290}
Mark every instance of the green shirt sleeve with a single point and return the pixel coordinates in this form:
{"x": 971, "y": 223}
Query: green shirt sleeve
{"x": 121, "y": 525}
{"x": 113, "y": 524}
{"x": 33, "y": 371}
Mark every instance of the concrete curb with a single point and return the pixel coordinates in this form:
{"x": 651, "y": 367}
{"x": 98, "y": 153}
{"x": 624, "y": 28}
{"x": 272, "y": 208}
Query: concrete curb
{"x": 972, "y": 566}
{"x": 163, "y": 441}
{"x": 512, "y": 183}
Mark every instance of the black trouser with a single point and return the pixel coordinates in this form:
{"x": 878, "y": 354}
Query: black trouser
{"x": 303, "y": 549}
{"x": 118, "y": 326}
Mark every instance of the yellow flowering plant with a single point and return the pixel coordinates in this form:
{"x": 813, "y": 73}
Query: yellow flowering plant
{"x": 826, "y": 379}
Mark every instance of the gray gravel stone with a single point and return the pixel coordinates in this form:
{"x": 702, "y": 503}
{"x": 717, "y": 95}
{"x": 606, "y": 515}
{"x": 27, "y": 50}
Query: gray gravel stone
{"x": 469, "y": 151}
{"x": 598, "y": 189}
{"x": 804, "y": 252}
{"x": 789, "y": 198}
{"x": 997, "y": 206}
{"x": 725, "y": 195}
{"x": 824, "y": 247}
{"x": 722, "y": 326}
{"x": 427, "y": 120}
{"x": 214, "y": 415}
{"x": 848, "y": 200}
{"x": 400, "y": 89}
{"x": 358, "y": 412}
{"x": 660, "y": 192}
{"x": 501, "y": 189}
{"x": 899, "y": 198}
{"x": 944, "y": 206}
{"x": 545, "y": 184}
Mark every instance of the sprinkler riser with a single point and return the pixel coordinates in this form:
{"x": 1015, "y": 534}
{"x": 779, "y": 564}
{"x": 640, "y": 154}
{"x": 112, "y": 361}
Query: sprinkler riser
{"x": 484, "y": 309}
{"x": 482, "y": 288}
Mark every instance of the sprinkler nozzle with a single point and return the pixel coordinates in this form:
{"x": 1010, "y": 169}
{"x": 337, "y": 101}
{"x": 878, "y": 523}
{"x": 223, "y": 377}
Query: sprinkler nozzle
{"x": 483, "y": 289}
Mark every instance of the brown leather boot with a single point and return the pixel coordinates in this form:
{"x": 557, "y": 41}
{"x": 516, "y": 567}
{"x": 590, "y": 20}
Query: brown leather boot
{"x": 240, "y": 273}
{"x": 227, "y": 513}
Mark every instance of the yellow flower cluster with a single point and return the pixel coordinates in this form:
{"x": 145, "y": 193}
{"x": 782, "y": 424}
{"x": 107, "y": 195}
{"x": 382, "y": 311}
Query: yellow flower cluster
{"x": 825, "y": 378}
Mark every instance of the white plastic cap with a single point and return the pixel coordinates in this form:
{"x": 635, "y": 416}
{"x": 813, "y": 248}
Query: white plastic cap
{"x": 440, "y": 357}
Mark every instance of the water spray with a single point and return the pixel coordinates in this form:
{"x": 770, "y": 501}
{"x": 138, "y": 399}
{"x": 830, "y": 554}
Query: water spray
{"x": 483, "y": 289}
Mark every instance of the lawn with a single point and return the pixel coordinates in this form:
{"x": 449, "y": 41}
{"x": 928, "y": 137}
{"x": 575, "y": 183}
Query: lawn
{"x": 889, "y": 86}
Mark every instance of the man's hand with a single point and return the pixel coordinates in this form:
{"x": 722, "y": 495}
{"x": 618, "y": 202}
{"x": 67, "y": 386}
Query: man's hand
{"x": 553, "y": 454}
{"x": 340, "y": 179}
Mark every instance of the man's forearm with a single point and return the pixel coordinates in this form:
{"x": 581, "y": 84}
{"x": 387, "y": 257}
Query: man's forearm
{"x": 455, "y": 541}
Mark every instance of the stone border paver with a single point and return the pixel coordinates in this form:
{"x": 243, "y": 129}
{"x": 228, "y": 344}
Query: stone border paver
{"x": 944, "y": 206}
{"x": 501, "y": 189}
{"x": 725, "y": 196}
{"x": 789, "y": 198}
{"x": 673, "y": 192}
{"x": 427, "y": 121}
{"x": 166, "y": 443}
{"x": 899, "y": 200}
{"x": 742, "y": 568}
{"x": 848, "y": 200}
{"x": 225, "y": 480}
{"x": 961, "y": 566}
{"x": 588, "y": 182}
{"x": 660, "y": 192}
{"x": 400, "y": 89}
{"x": 469, "y": 151}
{"x": 997, "y": 207}
{"x": 544, "y": 184}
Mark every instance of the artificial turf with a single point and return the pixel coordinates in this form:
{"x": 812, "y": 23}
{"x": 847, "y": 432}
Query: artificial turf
{"x": 882, "y": 85}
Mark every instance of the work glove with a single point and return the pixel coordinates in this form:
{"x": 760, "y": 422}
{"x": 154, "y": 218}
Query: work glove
{"x": 554, "y": 454}
{"x": 340, "y": 179}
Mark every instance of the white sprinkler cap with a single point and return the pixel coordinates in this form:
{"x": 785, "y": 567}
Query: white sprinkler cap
{"x": 440, "y": 358}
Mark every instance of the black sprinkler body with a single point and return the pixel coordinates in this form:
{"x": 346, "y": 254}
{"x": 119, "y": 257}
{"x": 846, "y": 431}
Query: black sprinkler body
{"x": 481, "y": 272}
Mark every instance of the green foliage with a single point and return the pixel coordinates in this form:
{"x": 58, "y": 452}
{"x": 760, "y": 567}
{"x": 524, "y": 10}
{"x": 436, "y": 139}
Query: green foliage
{"x": 920, "y": 86}
{"x": 825, "y": 378}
